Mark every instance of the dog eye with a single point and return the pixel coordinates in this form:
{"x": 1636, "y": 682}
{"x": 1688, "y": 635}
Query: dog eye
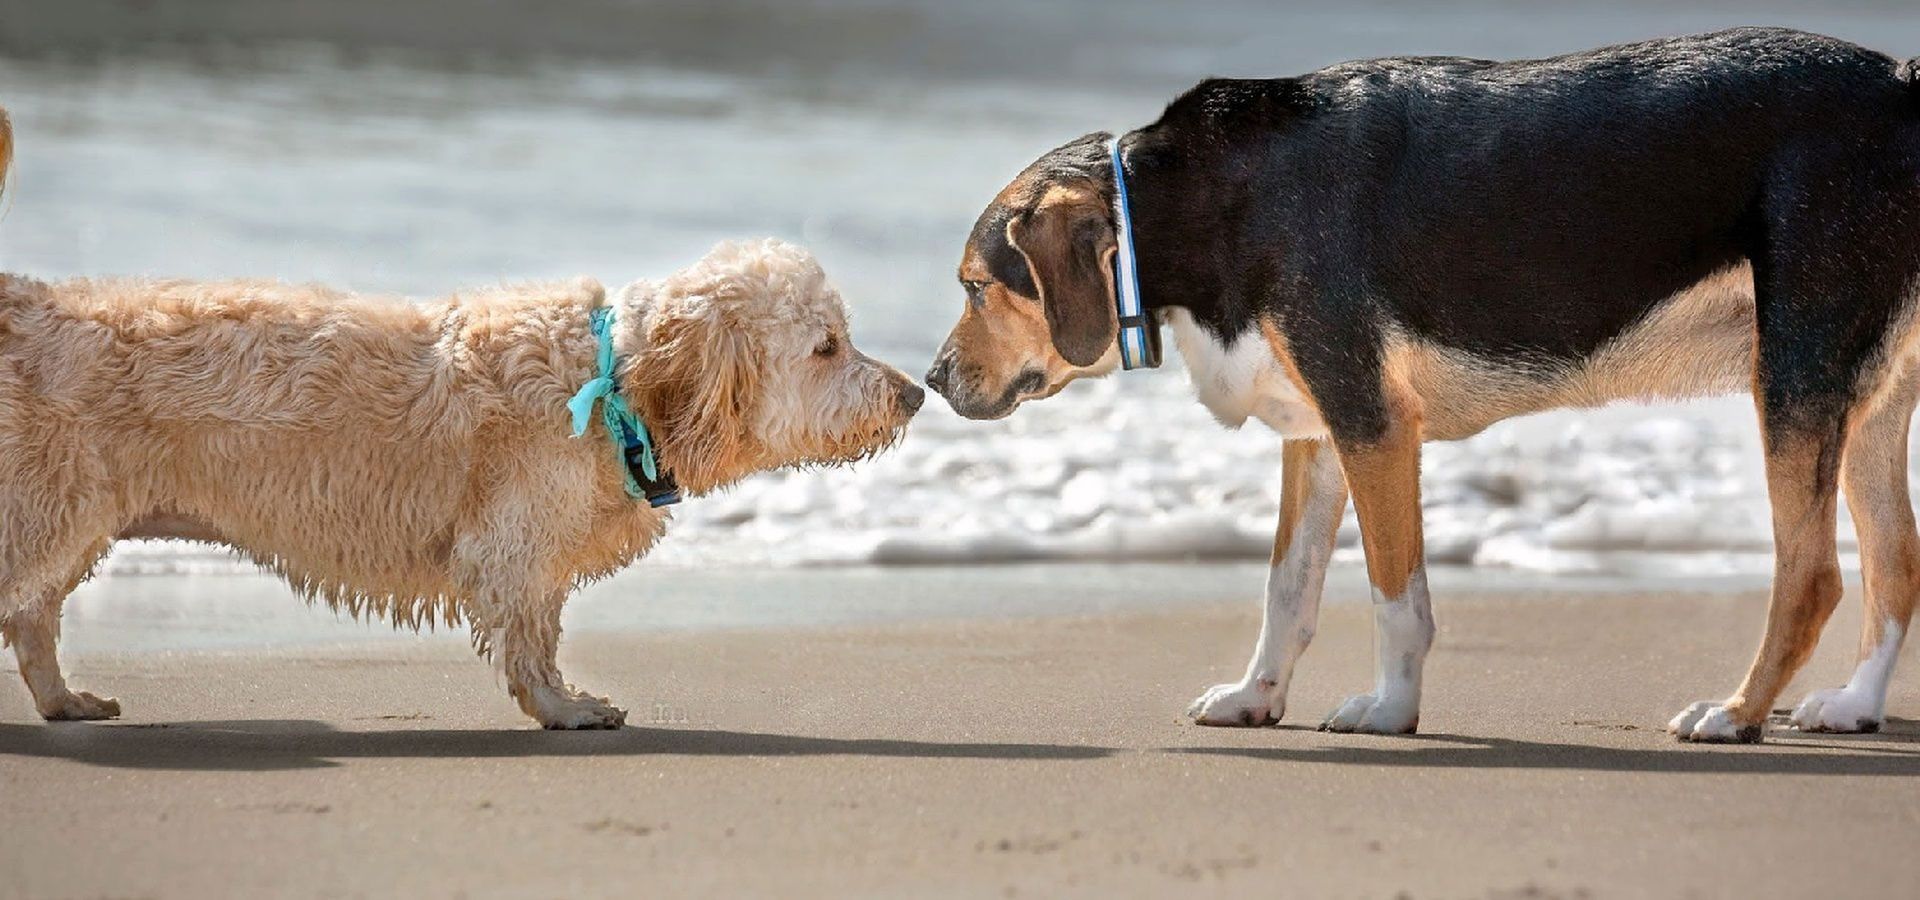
{"x": 973, "y": 289}
{"x": 828, "y": 347}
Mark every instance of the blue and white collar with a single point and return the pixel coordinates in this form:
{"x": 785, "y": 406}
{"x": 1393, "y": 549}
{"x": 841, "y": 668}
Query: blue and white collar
{"x": 1139, "y": 335}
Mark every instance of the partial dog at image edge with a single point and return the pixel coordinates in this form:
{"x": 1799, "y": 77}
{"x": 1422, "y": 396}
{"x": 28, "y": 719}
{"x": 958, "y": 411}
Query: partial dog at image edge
{"x": 1394, "y": 250}
{"x": 415, "y": 462}
{"x": 6, "y": 152}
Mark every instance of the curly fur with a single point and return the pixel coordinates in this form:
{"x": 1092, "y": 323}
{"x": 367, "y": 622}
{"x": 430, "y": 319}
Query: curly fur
{"x": 407, "y": 461}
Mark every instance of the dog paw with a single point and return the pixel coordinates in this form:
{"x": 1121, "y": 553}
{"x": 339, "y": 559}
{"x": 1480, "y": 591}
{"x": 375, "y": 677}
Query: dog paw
{"x": 1707, "y": 722}
{"x": 1245, "y": 704}
{"x": 1367, "y": 714}
{"x": 1836, "y": 711}
{"x": 75, "y": 706}
{"x": 574, "y": 712}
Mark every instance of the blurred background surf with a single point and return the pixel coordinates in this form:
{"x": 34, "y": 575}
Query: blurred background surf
{"x": 424, "y": 146}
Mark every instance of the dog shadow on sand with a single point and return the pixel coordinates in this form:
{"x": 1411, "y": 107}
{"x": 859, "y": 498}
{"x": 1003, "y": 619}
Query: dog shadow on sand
{"x": 278, "y": 744}
{"x": 1894, "y": 750}
{"x": 269, "y": 745}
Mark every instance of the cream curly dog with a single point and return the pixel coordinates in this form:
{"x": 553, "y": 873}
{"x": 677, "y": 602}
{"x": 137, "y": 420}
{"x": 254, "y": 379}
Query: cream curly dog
{"x": 409, "y": 461}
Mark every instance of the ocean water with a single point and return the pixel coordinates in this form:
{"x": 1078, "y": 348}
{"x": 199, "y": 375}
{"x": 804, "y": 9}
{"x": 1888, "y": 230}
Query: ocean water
{"x": 873, "y": 133}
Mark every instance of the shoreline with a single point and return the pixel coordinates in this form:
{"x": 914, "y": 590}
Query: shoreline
{"x": 256, "y": 611}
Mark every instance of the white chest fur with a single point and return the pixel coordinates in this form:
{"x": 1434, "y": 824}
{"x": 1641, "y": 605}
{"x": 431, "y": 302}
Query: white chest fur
{"x": 1242, "y": 379}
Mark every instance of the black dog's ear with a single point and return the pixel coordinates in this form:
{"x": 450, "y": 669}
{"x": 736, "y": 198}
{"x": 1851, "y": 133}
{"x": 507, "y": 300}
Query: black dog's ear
{"x": 1068, "y": 244}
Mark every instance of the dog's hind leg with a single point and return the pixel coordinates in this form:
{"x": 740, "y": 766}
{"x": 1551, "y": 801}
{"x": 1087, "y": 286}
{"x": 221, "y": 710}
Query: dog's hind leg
{"x": 1874, "y": 476}
{"x": 1831, "y": 289}
{"x": 33, "y": 630}
{"x": 1313, "y": 495}
{"x": 1802, "y": 465}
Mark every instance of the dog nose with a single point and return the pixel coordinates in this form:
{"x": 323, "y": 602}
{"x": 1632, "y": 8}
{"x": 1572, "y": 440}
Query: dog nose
{"x": 937, "y": 376}
{"x": 912, "y": 397}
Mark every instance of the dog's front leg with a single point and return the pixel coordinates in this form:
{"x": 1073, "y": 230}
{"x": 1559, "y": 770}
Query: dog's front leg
{"x": 523, "y": 632}
{"x": 1313, "y": 495}
{"x": 1383, "y": 473}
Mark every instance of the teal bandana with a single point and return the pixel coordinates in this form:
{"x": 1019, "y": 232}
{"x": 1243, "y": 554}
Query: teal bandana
{"x": 632, "y": 445}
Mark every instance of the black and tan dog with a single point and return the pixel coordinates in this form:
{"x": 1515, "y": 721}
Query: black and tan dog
{"x": 1395, "y": 250}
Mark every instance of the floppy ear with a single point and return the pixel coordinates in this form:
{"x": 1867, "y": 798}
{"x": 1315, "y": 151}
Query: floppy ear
{"x": 1068, "y": 244}
{"x": 732, "y": 382}
{"x": 695, "y": 388}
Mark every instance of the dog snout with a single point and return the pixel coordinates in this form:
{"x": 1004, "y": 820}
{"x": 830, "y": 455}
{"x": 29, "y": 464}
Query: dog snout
{"x": 911, "y": 398}
{"x": 938, "y": 375}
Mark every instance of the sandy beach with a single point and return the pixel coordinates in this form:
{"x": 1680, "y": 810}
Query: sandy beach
{"x": 996, "y": 756}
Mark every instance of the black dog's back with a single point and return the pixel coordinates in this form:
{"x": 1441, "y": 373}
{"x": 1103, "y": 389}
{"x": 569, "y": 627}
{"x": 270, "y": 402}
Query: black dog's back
{"x": 1533, "y": 210}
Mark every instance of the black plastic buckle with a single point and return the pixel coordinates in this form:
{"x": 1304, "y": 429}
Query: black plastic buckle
{"x": 661, "y": 491}
{"x": 1149, "y": 326}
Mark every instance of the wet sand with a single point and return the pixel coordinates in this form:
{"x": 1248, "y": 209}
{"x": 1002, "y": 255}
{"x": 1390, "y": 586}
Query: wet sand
{"x": 1039, "y": 756}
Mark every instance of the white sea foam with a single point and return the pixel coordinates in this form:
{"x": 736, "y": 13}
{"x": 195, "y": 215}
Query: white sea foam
{"x": 1131, "y": 468}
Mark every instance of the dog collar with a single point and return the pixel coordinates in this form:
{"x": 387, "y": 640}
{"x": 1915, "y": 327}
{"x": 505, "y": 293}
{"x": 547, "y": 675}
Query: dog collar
{"x": 1139, "y": 337}
{"x": 632, "y": 445}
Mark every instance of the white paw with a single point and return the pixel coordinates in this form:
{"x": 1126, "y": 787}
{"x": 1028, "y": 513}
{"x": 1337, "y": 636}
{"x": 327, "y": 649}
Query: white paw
{"x": 1708, "y": 722}
{"x": 75, "y": 706}
{"x": 1837, "y": 711}
{"x": 574, "y": 710}
{"x": 1366, "y": 714}
{"x": 1240, "y": 704}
